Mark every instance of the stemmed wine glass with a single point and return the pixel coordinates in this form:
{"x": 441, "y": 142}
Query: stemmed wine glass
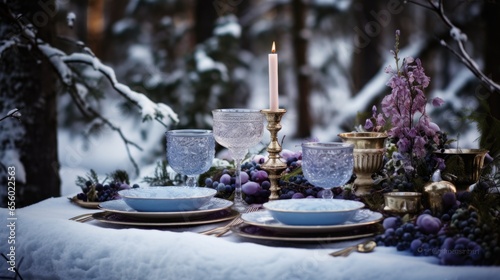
{"x": 190, "y": 152}
{"x": 327, "y": 164}
{"x": 238, "y": 130}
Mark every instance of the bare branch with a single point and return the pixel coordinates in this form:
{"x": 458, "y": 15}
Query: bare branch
{"x": 459, "y": 37}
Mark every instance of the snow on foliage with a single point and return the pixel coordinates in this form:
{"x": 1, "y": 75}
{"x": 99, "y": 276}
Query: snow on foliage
{"x": 229, "y": 27}
{"x": 149, "y": 109}
{"x": 204, "y": 63}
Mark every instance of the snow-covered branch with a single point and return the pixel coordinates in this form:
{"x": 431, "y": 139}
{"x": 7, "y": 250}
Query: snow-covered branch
{"x": 459, "y": 38}
{"x": 14, "y": 113}
{"x": 149, "y": 109}
{"x": 60, "y": 61}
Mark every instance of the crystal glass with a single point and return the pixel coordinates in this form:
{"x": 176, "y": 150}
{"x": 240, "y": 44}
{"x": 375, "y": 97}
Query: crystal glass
{"x": 327, "y": 164}
{"x": 190, "y": 152}
{"x": 238, "y": 130}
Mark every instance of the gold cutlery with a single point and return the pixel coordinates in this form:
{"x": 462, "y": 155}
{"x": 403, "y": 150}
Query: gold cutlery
{"x": 219, "y": 231}
{"x": 364, "y": 247}
{"x": 83, "y": 218}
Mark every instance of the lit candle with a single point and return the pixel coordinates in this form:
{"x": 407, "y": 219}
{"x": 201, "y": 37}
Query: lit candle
{"x": 273, "y": 79}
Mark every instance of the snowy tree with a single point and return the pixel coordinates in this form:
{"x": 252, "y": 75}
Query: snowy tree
{"x": 33, "y": 73}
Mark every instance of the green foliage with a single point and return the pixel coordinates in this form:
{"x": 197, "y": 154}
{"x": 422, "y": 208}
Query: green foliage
{"x": 119, "y": 176}
{"x": 90, "y": 176}
{"x": 488, "y": 128}
{"x": 161, "y": 176}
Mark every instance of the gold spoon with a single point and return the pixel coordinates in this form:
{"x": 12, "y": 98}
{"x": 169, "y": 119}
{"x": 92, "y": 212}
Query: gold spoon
{"x": 364, "y": 247}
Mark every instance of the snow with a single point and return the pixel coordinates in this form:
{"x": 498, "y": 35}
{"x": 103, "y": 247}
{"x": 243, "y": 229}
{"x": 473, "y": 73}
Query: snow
{"x": 149, "y": 109}
{"x": 204, "y": 63}
{"x": 231, "y": 28}
{"x": 12, "y": 157}
{"x": 52, "y": 247}
{"x": 70, "y": 19}
{"x": 123, "y": 25}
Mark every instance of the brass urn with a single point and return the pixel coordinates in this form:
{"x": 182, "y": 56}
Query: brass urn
{"x": 463, "y": 166}
{"x": 369, "y": 150}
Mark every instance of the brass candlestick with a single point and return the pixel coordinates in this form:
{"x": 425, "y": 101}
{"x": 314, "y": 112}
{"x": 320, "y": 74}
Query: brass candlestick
{"x": 274, "y": 166}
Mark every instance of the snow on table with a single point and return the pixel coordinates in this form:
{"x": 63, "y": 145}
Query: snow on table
{"x": 53, "y": 247}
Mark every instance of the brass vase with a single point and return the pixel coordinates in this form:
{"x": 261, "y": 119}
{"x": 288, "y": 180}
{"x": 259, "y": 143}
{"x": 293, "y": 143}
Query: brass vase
{"x": 402, "y": 202}
{"x": 369, "y": 150}
{"x": 463, "y": 166}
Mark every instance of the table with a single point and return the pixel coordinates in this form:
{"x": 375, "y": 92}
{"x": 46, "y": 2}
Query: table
{"x": 49, "y": 246}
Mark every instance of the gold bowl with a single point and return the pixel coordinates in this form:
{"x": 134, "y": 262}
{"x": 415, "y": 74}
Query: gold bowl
{"x": 402, "y": 202}
{"x": 463, "y": 166}
{"x": 369, "y": 150}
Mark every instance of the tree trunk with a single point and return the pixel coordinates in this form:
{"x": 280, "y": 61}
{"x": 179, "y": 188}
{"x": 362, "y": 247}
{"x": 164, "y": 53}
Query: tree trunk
{"x": 368, "y": 34}
{"x": 28, "y": 83}
{"x": 300, "y": 43}
{"x": 491, "y": 10}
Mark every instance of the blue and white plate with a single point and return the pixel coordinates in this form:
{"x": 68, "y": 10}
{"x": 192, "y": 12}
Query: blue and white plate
{"x": 119, "y": 206}
{"x": 167, "y": 199}
{"x": 313, "y": 212}
{"x": 264, "y": 219}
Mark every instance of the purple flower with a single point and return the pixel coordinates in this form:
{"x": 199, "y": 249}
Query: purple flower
{"x": 368, "y": 124}
{"x": 436, "y": 102}
{"x": 440, "y": 163}
{"x": 404, "y": 108}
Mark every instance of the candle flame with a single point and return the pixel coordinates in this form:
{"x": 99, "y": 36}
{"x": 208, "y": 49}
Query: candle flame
{"x": 273, "y": 49}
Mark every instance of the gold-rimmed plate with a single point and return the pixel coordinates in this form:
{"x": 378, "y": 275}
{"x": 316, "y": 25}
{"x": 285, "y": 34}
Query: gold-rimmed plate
{"x": 258, "y": 233}
{"x": 264, "y": 219}
{"x": 118, "y": 219}
{"x": 84, "y": 204}
{"x": 120, "y": 207}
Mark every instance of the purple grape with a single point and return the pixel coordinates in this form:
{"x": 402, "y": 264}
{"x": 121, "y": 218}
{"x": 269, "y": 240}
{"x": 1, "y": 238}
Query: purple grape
{"x": 449, "y": 200}
{"x": 226, "y": 179}
{"x": 391, "y": 222}
{"x": 297, "y": 196}
{"x": 250, "y": 187}
{"x": 265, "y": 185}
{"x": 415, "y": 245}
{"x": 260, "y": 176}
{"x": 244, "y": 177}
{"x": 263, "y": 193}
{"x": 428, "y": 223}
{"x": 287, "y": 154}
{"x": 260, "y": 159}
{"x": 221, "y": 187}
{"x": 209, "y": 182}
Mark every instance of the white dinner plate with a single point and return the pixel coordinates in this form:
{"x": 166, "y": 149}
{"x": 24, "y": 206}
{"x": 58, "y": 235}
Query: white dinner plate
{"x": 258, "y": 233}
{"x": 119, "y": 219}
{"x": 119, "y": 206}
{"x": 263, "y": 219}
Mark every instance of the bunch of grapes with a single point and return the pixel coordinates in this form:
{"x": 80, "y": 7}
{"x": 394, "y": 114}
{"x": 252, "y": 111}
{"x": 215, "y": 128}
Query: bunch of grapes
{"x": 97, "y": 192}
{"x": 398, "y": 182}
{"x": 254, "y": 182}
{"x": 456, "y": 236}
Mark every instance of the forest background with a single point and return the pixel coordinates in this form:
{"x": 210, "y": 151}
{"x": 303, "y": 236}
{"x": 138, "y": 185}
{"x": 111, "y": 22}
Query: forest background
{"x": 99, "y": 82}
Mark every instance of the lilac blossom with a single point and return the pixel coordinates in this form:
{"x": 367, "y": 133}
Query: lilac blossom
{"x": 404, "y": 108}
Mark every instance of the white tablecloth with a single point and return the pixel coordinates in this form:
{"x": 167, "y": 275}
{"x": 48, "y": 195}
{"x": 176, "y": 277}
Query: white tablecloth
{"x": 49, "y": 246}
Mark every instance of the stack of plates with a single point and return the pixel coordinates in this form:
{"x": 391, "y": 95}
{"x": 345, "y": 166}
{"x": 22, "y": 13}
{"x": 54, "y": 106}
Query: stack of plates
{"x": 166, "y": 206}
{"x": 310, "y": 220}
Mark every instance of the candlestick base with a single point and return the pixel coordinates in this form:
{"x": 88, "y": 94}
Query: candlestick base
{"x": 274, "y": 165}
